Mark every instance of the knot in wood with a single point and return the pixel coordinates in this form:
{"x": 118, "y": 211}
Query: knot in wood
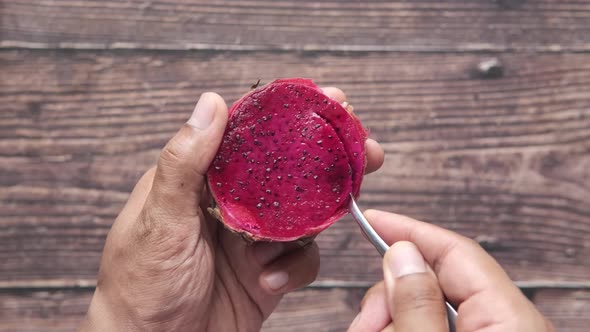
{"x": 490, "y": 68}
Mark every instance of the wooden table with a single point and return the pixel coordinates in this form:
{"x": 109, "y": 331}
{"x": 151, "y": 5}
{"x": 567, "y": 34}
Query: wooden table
{"x": 483, "y": 108}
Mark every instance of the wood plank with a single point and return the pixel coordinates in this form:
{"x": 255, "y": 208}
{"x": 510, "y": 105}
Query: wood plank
{"x": 42, "y": 311}
{"x": 331, "y": 309}
{"x": 309, "y": 309}
{"x": 568, "y": 310}
{"x": 502, "y": 160}
{"x": 403, "y": 25}
{"x": 62, "y": 310}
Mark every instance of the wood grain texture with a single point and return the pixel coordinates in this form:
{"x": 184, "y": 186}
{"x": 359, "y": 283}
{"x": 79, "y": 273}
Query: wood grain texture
{"x": 505, "y": 160}
{"x": 62, "y": 310}
{"x": 568, "y": 310}
{"x": 305, "y": 310}
{"x": 42, "y": 311}
{"x": 406, "y": 25}
{"x": 331, "y": 309}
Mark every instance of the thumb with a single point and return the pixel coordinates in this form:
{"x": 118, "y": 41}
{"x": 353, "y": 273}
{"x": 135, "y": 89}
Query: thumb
{"x": 183, "y": 163}
{"x": 414, "y": 297}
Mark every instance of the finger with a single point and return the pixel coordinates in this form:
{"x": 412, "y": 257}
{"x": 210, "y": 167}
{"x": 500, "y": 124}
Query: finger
{"x": 375, "y": 156}
{"x": 389, "y": 328}
{"x": 292, "y": 271}
{"x": 485, "y": 311}
{"x": 415, "y": 299}
{"x": 374, "y": 314}
{"x": 249, "y": 261}
{"x": 463, "y": 268}
{"x": 183, "y": 163}
{"x": 266, "y": 253}
{"x": 335, "y": 93}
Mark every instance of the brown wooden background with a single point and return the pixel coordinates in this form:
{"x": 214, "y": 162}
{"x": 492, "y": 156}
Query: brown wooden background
{"x": 90, "y": 90}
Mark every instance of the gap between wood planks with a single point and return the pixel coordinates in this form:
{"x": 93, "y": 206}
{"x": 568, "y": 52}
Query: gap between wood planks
{"x": 84, "y": 284}
{"x": 461, "y": 48}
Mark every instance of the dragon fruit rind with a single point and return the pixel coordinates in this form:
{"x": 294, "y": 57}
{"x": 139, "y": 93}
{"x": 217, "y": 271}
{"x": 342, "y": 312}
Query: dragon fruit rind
{"x": 289, "y": 159}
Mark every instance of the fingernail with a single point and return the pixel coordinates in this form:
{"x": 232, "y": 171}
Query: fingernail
{"x": 405, "y": 259}
{"x": 204, "y": 112}
{"x": 267, "y": 252}
{"x": 276, "y": 280}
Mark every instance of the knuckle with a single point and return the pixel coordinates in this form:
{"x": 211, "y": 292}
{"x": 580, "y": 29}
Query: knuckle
{"x": 152, "y": 225}
{"x": 147, "y": 226}
{"x": 180, "y": 163}
{"x": 149, "y": 222}
{"x": 178, "y": 148}
{"x": 171, "y": 154}
{"x": 156, "y": 234}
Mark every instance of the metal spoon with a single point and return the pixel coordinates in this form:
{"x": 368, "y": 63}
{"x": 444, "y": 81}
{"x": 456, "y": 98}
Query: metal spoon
{"x": 382, "y": 247}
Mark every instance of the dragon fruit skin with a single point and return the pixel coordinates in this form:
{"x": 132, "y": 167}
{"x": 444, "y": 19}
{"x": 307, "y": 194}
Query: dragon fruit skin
{"x": 288, "y": 161}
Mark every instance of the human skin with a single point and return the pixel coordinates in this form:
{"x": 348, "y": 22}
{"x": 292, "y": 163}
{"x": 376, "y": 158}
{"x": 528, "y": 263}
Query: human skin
{"x": 168, "y": 266}
{"x": 411, "y": 296}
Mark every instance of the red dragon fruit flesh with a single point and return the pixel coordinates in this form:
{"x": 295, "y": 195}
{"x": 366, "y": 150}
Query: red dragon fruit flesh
{"x": 289, "y": 159}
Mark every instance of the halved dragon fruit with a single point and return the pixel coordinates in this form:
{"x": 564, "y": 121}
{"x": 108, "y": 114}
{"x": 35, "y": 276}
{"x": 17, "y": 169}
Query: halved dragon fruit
{"x": 289, "y": 159}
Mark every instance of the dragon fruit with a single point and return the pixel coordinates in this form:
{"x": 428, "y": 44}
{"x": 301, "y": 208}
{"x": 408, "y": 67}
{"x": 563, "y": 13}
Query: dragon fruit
{"x": 289, "y": 160}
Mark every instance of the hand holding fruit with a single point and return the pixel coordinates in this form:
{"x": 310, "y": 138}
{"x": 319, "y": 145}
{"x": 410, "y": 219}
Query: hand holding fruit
{"x": 289, "y": 160}
{"x": 168, "y": 266}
